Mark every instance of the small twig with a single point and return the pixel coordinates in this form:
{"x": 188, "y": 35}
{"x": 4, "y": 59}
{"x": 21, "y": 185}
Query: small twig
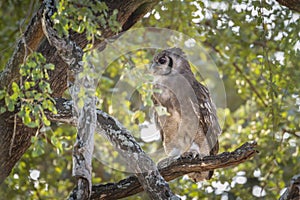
{"x": 268, "y": 65}
{"x": 28, "y": 13}
{"x": 292, "y": 132}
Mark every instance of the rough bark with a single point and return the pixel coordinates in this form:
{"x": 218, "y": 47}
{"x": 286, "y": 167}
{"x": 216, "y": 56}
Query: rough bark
{"x": 84, "y": 145}
{"x": 35, "y": 40}
{"x": 86, "y": 115}
{"x": 11, "y": 150}
{"x": 173, "y": 168}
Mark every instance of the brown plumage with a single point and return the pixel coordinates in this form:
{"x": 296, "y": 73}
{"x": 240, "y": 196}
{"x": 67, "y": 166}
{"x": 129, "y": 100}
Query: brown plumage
{"x": 191, "y": 124}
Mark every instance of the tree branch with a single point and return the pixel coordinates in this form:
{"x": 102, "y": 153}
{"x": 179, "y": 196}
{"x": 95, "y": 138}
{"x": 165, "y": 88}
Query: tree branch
{"x": 235, "y": 65}
{"x": 173, "y": 168}
{"x": 146, "y": 171}
{"x": 293, "y": 191}
{"x": 83, "y": 148}
{"x": 295, "y": 133}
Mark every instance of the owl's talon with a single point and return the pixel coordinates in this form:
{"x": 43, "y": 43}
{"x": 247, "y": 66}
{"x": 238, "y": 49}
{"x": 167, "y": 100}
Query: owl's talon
{"x": 190, "y": 154}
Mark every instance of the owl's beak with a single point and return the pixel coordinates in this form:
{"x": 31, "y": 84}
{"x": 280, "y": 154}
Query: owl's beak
{"x": 153, "y": 67}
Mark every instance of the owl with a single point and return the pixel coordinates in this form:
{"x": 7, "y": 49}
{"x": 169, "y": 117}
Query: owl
{"x": 189, "y": 125}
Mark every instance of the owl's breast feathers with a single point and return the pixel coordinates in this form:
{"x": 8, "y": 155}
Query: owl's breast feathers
{"x": 167, "y": 124}
{"x": 202, "y": 104}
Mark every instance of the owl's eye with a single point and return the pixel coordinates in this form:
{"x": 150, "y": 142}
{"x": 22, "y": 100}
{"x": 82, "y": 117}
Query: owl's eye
{"x": 162, "y": 60}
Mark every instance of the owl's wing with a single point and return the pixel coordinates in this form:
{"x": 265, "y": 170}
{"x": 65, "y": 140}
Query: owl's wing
{"x": 208, "y": 116}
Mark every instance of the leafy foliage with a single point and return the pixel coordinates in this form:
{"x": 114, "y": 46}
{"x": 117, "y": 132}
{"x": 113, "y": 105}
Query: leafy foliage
{"x": 34, "y": 93}
{"x": 90, "y": 17}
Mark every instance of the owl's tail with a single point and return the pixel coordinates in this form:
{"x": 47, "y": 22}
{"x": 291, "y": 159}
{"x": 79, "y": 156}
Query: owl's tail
{"x": 200, "y": 176}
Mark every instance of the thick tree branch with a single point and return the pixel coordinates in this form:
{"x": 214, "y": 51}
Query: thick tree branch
{"x": 152, "y": 181}
{"x": 83, "y": 148}
{"x": 173, "y": 168}
{"x": 14, "y": 140}
{"x": 293, "y": 191}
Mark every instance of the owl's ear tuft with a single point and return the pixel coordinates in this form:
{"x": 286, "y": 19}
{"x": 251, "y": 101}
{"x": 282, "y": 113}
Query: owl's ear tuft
{"x": 176, "y": 51}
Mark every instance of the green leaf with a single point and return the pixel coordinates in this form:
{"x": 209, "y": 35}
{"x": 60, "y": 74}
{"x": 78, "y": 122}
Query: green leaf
{"x": 2, "y": 94}
{"x": 11, "y": 106}
{"x": 161, "y": 110}
{"x": 15, "y": 88}
{"x": 46, "y": 121}
{"x": 33, "y": 124}
{"x": 26, "y": 118}
{"x": 27, "y": 85}
{"x": 2, "y": 110}
{"x": 49, "y": 66}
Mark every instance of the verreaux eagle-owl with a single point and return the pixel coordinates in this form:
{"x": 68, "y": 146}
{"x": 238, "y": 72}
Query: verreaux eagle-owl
{"x": 190, "y": 124}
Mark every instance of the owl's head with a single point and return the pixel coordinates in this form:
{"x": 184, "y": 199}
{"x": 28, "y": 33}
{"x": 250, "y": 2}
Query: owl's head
{"x": 170, "y": 62}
